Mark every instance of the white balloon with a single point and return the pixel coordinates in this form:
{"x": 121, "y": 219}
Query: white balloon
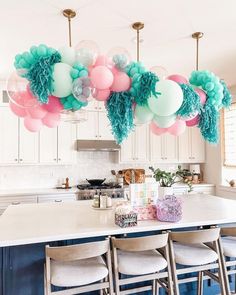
{"x": 67, "y": 55}
{"x": 168, "y": 101}
{"x": 164, "y": 121}
{"x": 143, "y": 114}
{"x": 62, "y": 81}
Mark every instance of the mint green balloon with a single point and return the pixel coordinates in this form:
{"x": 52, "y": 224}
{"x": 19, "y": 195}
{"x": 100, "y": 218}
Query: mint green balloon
{"x": 67, "y": 55}
{"x": 143, "y": 114}
{"x": 164, "y": 121}
{"x": 62, "y": 81}
{"x": 169, "y": 100}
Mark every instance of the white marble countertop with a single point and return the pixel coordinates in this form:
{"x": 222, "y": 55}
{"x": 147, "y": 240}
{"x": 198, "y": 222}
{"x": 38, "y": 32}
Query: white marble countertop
{"x": 73, "y": 190}
{"x": 35, "y": 223}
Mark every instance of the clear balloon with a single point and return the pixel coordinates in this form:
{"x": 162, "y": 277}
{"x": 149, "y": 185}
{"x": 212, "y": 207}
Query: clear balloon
{"x": 120, "y": 56}
{"x": 160, "y": 71}
{"x": 18, "y": 111}
{"x": 80, "y": 90}
{"x": 19, "y": 92}
{"x": 168, "y": 101}
{"x": 87, "y": 52}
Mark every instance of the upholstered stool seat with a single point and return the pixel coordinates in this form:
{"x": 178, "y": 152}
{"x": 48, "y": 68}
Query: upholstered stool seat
{"x": 78, "y": 272}
{"x": 140, "y": 263}
{"x": 229, "y": 246}
{"x": 194, "y": 254}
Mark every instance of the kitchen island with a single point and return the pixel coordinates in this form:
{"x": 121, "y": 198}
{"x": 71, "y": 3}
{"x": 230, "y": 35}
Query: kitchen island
{"x": 26, "y": 229}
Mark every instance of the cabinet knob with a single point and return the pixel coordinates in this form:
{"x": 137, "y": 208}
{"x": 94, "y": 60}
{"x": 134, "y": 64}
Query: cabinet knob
{"x": 59, "y": 159}
{"x": 21, "y": 160}
{"x": 96, "y": 136}
{"x": 100, "y": 136}
{"x": 15, "y": 203}
{"x": 100, "y": 108}
{"x": 58, "y": 201}
{"x": 54, "y": 159}
{"x": 15, "y": 160}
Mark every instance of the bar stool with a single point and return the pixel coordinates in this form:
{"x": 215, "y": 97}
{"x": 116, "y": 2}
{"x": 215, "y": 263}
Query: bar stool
{"x": 199, "y": 251}
{"x": 142, "y": 259}
{"x": 83, "y": 268}
{"x": 228, "y": 244}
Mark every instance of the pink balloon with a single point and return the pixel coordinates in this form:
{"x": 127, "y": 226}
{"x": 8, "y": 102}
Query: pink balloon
{"x": 157, "y": 130}
{"x": 177, "y": 128}
{"x": 17, "y": 110}
{"x": 36, "y": 112}
{"x": 54, "y": 105}
{"x": 178, "y": 79}
{"x": 51, "y": 120}
{"x": 101, "y": 95}
{"x": 102, "y": 60}
{"x": 202, "y": 95}
{"x": 33, "y": 125}
{"x": 193, "y": 122}
{"x": 121, "y": 82}
{"x": 101, "y": 77}
{"x": 114, "y": 70}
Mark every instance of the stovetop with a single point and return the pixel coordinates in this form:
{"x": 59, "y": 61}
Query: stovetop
{"x": 98, "y": 187}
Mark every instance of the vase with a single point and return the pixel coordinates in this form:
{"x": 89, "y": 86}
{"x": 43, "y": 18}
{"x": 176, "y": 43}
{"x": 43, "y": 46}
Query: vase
{"x": 163, "y": 191}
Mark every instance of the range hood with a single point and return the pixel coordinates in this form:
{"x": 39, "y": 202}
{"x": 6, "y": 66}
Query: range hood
{"x": 97, "y": 145}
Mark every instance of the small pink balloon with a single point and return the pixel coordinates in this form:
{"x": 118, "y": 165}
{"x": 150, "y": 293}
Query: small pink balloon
{"x": 101, "y": 77}
{"x": 51, "y": 120}
{"x": 177, "y": 128}
{"x": 114, "y": 70}
{"x": 102, "y": 60}
{"x": 193, "y": 122}
{"x": 17, "y": 110}
{"x": 54, "y": 105}
{"x": 121, "y": 82}
{"x": 178, "y": 79}
{"x": 202, "y": 95}
{"x": 157, "y": 130}
{"x": 36, "y": 112}
{"x": 33, "y": 125}
{"x": 101, "y": 95}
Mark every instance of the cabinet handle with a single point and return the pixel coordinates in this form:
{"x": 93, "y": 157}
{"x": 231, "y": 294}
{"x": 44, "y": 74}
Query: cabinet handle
{"x": 54, "y": 159}
{"x": 96, "y": 136}
{"x": 58, "y": 201}
{"x": 59, "y": 159}
{"x": 15, "y": 160}
{"x": 100, "y": 108}
{"x": 96, "y": 108}
{"x": 15, "y": 203}
{"x": 165, "y": 158}
{"x": 100, "y": 136}
{"x": 21, "y": 160}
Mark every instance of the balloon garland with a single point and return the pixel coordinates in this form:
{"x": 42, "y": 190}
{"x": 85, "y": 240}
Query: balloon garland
{"x": 62, "y": 80}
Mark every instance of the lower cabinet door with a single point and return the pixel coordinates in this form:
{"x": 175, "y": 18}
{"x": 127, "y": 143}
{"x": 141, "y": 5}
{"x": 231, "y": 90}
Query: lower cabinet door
{"x": 56, "y": 198}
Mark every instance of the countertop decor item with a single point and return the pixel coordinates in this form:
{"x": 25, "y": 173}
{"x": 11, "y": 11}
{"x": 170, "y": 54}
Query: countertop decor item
{"x": 124, "y": 216}
{"x": 96, "y": 181}
{"x": 169, "y": 209}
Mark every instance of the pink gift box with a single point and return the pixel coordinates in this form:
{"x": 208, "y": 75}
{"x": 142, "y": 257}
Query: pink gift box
{"x": 148, "y": 212}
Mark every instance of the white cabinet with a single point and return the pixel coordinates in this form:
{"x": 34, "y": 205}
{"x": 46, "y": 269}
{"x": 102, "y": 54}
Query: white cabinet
{"x": 6, "y": 201}
{"x": 206, "y": 189}
{"x": 136, "y": 147}
{"x": 191, "y": 146}
{"x": 164, "y": 148}
{"x": 97, "y": 127}
{"x": 48, "y": 146}
{"x": 95, "y": 105}
{"x": 9, "y": 136}
{"x": 59, "y": 198}
{"x": 28, "y": 145}
{"x": 66, "y": 143}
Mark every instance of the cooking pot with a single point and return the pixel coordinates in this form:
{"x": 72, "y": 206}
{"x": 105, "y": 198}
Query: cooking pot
{"x": 96, "y": 181}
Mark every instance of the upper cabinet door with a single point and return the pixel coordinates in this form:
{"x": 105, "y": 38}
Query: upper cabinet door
{"x": 104, "y": 127}
{"x": 170, "y": 148}
{"x": 88, "y": 129}
{"x": 185, "y": 146}
{"x": 142, "y": 143}
{"x": 48, "y": 145}
{"x": 127, "y": 149}
{"x": 28, "y": 145}
{"x": 156, "y": 148}
{"x": 197, "y": 146}
{"x": 66, "y": 143}
{"x": 9, "y": 136}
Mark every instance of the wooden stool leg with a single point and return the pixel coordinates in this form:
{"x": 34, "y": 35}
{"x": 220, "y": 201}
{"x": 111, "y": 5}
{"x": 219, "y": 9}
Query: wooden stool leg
{"x": 200, "y": 283}
{"x": 169, "y": 278}
{"x": 224, "y": 269}
{"x": 154, "y": 287}
{"x": 173, "y": 268}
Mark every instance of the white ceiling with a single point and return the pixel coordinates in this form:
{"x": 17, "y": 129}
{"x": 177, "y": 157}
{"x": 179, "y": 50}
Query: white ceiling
{"x": 167, "y": 33}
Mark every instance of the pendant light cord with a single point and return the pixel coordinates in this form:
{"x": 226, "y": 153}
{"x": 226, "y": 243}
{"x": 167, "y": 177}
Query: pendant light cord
{"x": 197, "y": 36}
{"x": 69, "y": 14}
{"x": 137, "y": 26}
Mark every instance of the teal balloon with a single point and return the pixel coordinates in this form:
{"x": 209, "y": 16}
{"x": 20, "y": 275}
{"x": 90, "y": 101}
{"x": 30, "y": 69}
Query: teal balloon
{"x": 143, "y": 114}
{"x": 62, "y": 81}
{"x": 164, "y": 121}
{"x": 168, "y": 101}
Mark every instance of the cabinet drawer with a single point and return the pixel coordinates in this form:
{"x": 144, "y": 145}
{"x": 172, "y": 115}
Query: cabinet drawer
{"x": 56, "y": 198}
{"x": 16, "y": 200}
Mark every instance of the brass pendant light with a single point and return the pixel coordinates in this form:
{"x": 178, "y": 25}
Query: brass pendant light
{"x": 197, "y": 36}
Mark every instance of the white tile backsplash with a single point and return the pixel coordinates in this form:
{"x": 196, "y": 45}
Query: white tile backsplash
{"x": 89, "y": 165}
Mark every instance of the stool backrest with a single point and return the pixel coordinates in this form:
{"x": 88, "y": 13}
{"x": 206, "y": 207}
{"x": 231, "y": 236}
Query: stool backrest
{"x": 228, "y": 231}
{"x": 198, "y": 236}
{"x": 142, "y": 243}
{"x": 76, "y": 252}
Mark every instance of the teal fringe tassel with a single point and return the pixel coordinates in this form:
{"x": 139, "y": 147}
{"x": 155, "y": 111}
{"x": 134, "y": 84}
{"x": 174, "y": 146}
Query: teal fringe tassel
{"x": 227, "y": 99}
{"x": 209, "y": 122}
{"x": 191, "y": 102}
{"x": 146, "y": 87}
{"x": 40, "y": 76}
{"x": 120, "y": 114}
